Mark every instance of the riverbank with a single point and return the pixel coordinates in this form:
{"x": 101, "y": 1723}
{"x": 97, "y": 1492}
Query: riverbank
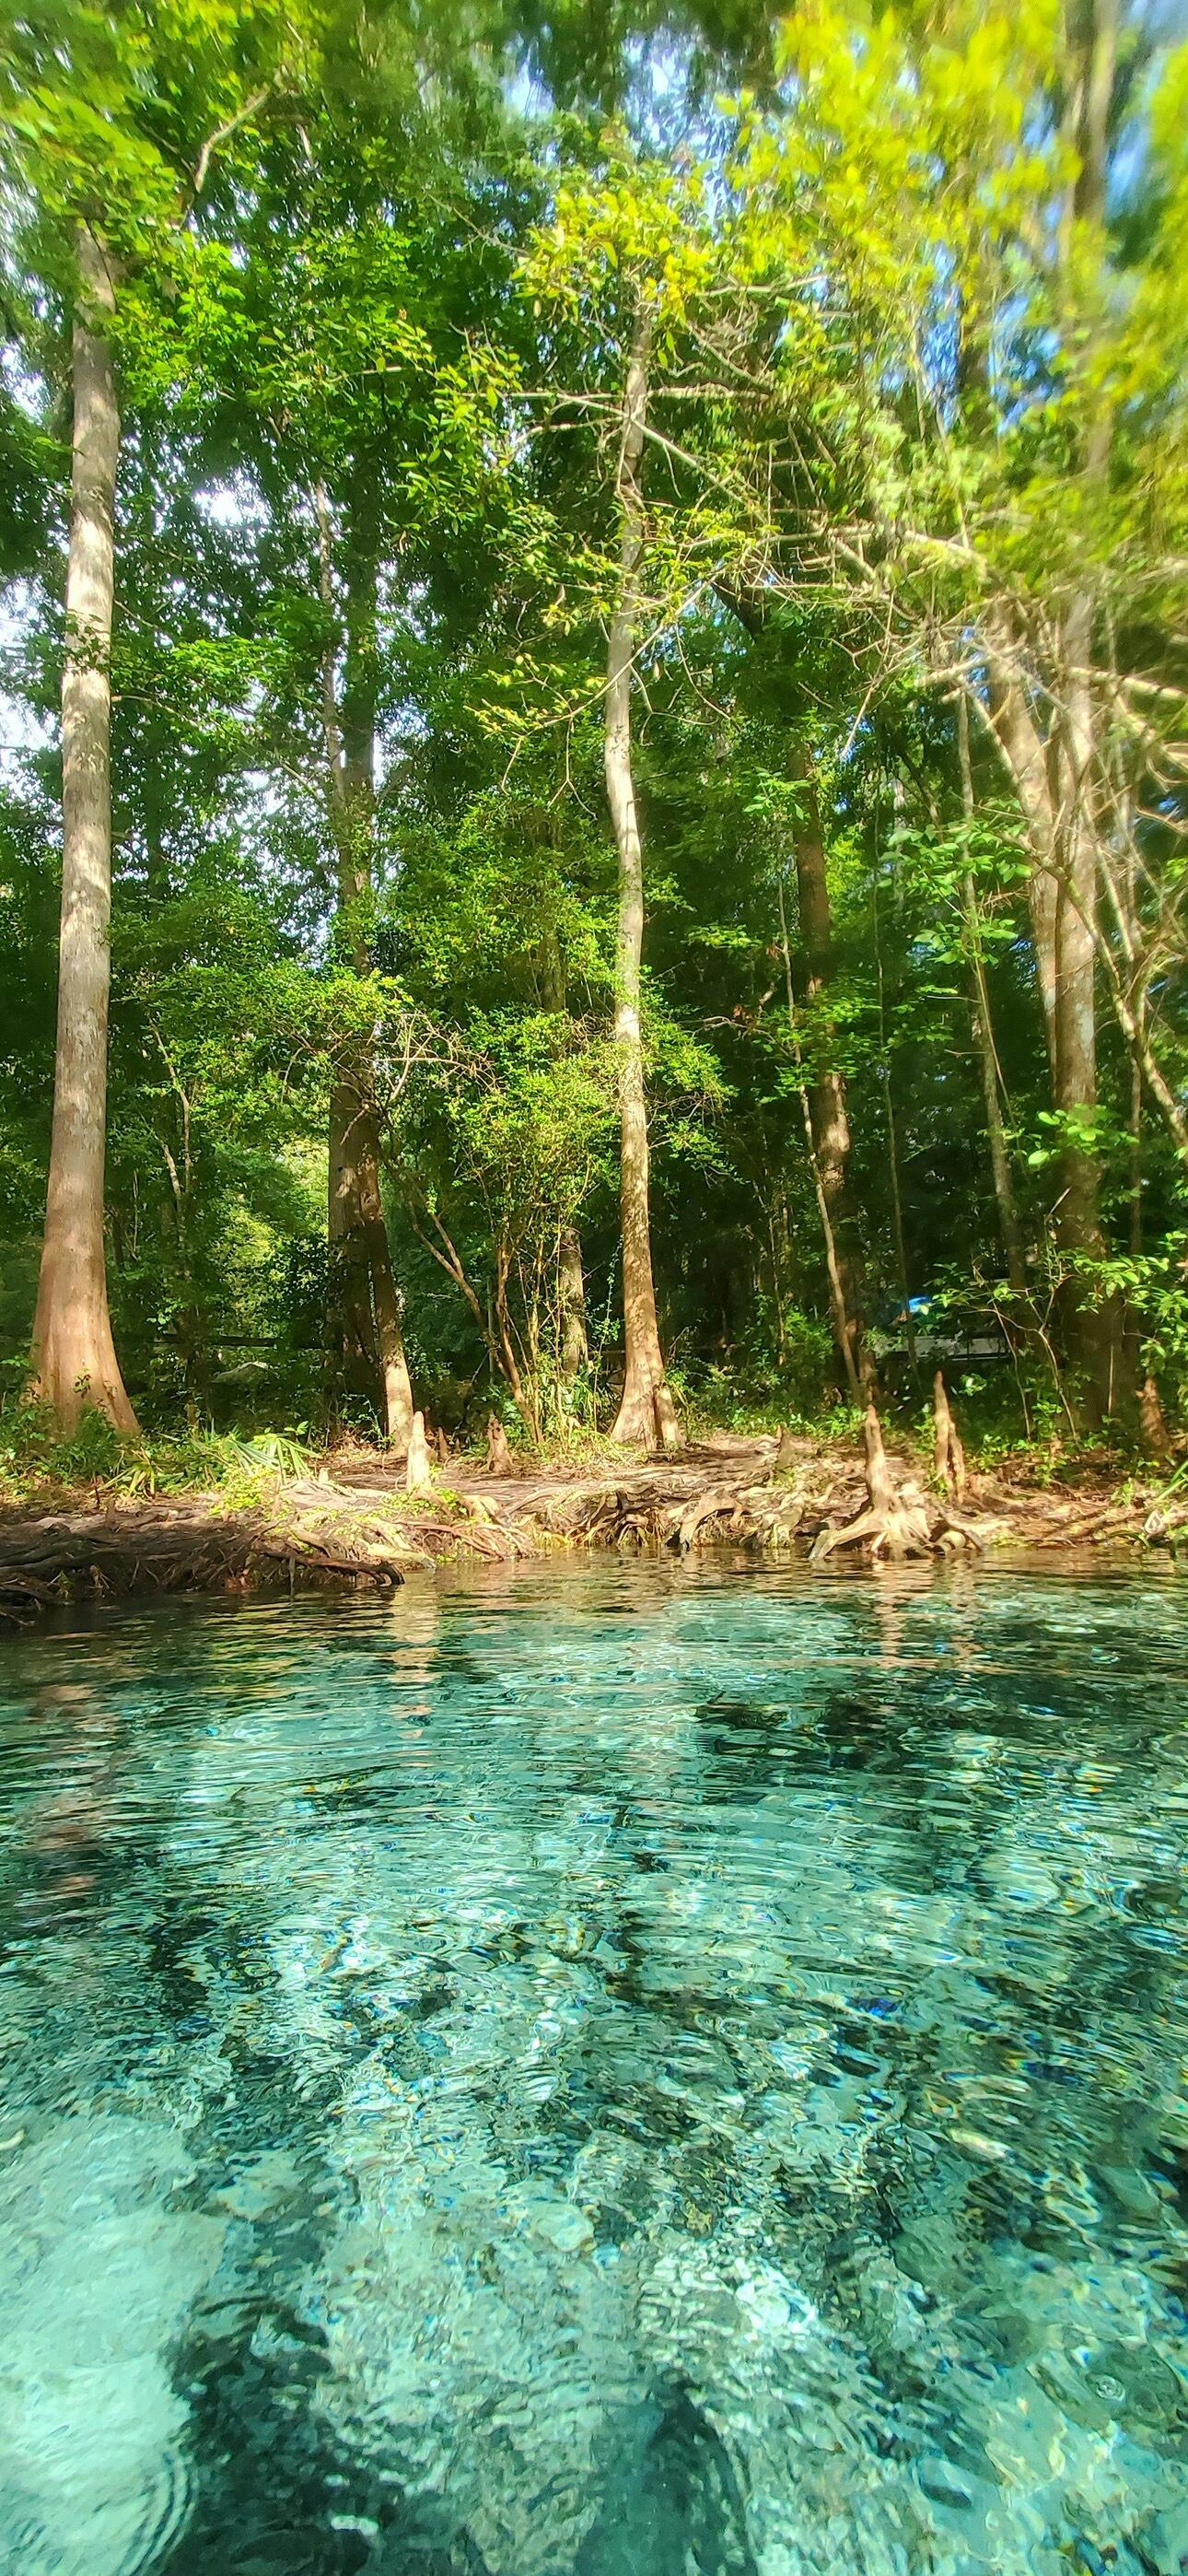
{"x": 354, "y": 1525}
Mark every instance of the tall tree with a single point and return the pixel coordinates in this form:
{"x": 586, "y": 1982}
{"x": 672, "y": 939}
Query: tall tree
{"x": 115, "y": 122}
{"x": 627, "y": 262}
{"x": 339, "y": 383}
{"x": 646, "y": 1411}
{"x": 828, "y": 1112}
{"x": 73, "y": 1351}
{"x": 365, "y": 1302}
{"x": 777, "y": 670}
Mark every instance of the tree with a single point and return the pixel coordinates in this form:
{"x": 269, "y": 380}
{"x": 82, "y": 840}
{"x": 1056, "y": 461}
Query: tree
{"x": 627, "y": 259}
{"x": 498, "y": 914}
{"x": 823, "y": 1098}
{"x": 646, "y": 1411}
{"x": 365, "y": 1294}
{"x": 108, "y": 194}
{"x": 74, "y": 1354}
{"x": 335, "y": 377}
{"x": 951, "y": 177}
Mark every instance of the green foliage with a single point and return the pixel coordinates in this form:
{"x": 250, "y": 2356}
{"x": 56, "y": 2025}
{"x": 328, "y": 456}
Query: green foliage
{"x": 781, "y": 1371}
{"x": 36, "y": 1461}
{"x": 374, "y": 301}
{"x": 1155, "y": 1289}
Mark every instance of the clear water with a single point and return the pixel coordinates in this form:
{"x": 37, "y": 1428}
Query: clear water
{"x": 610, "y": 2072}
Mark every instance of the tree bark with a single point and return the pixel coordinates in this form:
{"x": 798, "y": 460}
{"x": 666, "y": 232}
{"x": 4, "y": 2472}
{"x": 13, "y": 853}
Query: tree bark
{"x": 1023, "y": 750}
{"x": 828, "y": 1112}
{"x": 1063, "y": 895}
{"x": 982, "y": 1030}
{"x": 575, "y": 1347}
{"x": 1136, "y": 1163}
{"x": 1062, "y": 832}
{"x": 74, "y": 1355}
{"x": 646, "y": 1413}
{"x": 573, "y": 1344}
{"x": 837, "y": 1299}
{"x": 898, "y": 1228}
{"x": 1094, "y": 1326}
{"x": 366, "y": 1303}
{"x": 948, "y": 1451}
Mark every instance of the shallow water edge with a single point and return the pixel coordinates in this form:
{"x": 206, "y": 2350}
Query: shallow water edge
{"x": 358, "y": 1529}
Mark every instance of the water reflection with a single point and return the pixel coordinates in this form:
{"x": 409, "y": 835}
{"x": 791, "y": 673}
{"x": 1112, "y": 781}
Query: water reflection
{"x": 599, "y": 2070}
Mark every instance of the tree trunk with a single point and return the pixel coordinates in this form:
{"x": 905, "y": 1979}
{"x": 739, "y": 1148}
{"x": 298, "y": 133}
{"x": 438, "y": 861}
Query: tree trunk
{"x": 1023, "y": 750}
{"x": 948, "y": 1451}
{"x": 73, "y": 1352}
{"x": 575, "y": 1347}
{"x": 898, "y": 1228}
{"x": 1042, "y": 906}
{"x": 1094, "y": 1325}
{"x": 364, "y": 1290}
{"x": 646, "y": 1413}
{"x": 837, "y": 1300}
{"x": 1064, "y": 914}
{"x": 827, "y": 1090}
{"x": 982, "y": 1030}
{"x": 365, "y": 1298}
{"x": 1136, "y": 1163}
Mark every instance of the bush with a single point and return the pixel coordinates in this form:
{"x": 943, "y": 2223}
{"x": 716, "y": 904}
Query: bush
{"x": 36, "y": 1456}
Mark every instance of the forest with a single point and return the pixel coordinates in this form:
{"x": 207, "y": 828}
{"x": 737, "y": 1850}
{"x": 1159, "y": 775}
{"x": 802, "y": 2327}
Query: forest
{"x": 594, "y": 780}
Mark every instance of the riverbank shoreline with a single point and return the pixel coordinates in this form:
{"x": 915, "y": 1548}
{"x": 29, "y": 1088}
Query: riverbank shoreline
{"x": 353, "y": 1526}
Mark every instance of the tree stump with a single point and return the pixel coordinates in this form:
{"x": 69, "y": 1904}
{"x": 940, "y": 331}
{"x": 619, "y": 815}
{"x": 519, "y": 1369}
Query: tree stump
{"x": 950, "y": 1456}
{"x": 499, "y": 1456}
{"x": 418, "y": 1473}
{"x": 1152, "y": 1422}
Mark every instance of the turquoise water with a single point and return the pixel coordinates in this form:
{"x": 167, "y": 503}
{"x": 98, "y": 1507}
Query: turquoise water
{"x": 611, "y": 2072}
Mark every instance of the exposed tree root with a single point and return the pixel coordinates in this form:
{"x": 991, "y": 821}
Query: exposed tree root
{"x": 896, "y": 1520}
{"x": 362, "y": 1528}
{"x": 901, "y": 1520}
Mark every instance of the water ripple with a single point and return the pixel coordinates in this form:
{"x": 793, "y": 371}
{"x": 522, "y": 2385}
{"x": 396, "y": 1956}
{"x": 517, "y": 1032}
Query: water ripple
{"x": 593, "y": 2070}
